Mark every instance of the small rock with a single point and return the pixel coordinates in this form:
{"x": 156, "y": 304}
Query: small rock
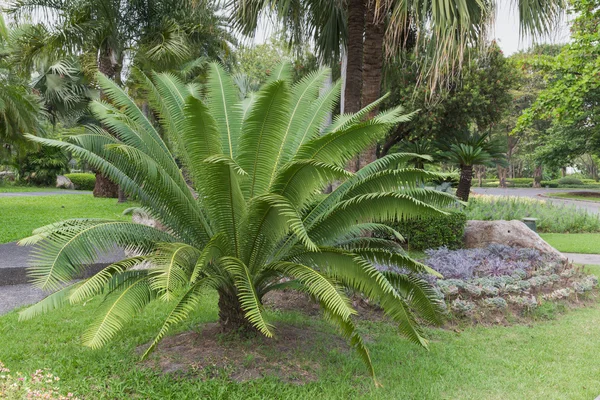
{"x": 64, "y": 182}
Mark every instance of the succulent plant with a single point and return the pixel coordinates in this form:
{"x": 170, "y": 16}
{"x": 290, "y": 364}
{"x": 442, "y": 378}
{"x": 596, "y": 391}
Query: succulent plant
{"x": 495, "y": 302}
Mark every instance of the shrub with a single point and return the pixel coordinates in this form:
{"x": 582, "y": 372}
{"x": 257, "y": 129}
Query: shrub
{"x": 559, "y": 218}
{"x": 433, "y": 231}
{"x": 82, "y": 181}
{"x": 549, "y": 184}
{"x": 257, "y": 227}
{"x": 567, "y": 180}
{"x": 43, "y": 166}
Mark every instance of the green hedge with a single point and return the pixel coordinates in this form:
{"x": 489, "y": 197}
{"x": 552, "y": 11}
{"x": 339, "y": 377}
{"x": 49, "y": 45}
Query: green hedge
{"x": 433, "y": 232}
{"x": 83, "y": 181}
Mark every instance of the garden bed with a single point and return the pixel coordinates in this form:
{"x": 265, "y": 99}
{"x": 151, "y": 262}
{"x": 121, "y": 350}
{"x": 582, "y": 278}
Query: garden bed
{"x": 502, "y": 284}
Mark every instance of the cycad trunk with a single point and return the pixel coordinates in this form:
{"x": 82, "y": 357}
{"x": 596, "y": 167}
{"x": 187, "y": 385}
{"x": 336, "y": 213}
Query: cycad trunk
{"x": 464, "y": 184}
{"x": 231, "y": 315}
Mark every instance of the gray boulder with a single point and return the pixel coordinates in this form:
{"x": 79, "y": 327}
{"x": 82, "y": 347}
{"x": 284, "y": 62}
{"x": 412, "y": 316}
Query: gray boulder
{"x": 64, "y": 182}
{"x": 510, "y": 233}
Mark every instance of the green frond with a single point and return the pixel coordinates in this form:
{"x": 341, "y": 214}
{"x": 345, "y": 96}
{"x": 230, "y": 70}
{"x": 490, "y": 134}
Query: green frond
{"x": 65, "y": 252}
{"x": 407, "y": 180}
{"x": 348, "y": 330}
{"x": 224, "y": 106}
{"x": 246, "y": 293}
{"x": 341, "y": 145}
{"x": 396, "y": 261}
{"x": 223, "y": 199}
{"x": 315, "y": 117}
{"x": 262, "y": 135}
{"x": 121, "y": 307}
{"x": 269, "y": 220}
{"x": 318, "y": 285}
{"x": 214, "y": 249}
{"x": 186, "y": 304}
{"x": 52, "y": 302}
{"x": 172, "y": 267}
{"x": 200, "y": 136}
{"x": 303, "y": 94}
{"x": 419, "y": 294}
{"x": 98, "y": 283}
{"x": 298, "y": 180}
{"x": 121, "y": 100}
{"x": 373, "y": 207}
{"x": 283, "y": 72}
{"x": 344, "y": 121}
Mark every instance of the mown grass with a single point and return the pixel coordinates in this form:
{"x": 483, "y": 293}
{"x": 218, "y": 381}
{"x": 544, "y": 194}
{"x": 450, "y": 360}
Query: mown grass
{"x": 20, "y": 215}
{"x": 574, "y": 196}
{"x": 585, "y": 243}
{"x": 554, "y": 359}
{"x": 17, "y": 189}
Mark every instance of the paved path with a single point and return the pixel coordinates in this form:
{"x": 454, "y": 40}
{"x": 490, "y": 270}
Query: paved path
{"x": 14, "y": 296}
{"x": 586, "y": 259}
{"x": 48, "y": 193}
{"x": 539, "y": 194}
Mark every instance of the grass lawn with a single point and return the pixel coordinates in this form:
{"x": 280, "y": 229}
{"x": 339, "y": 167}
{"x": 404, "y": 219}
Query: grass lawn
{"x": 586, "y": 243}
{"x": 554, "y": 359}
{"x": 574, "y": 196}
{"x": 20, "y": 215}
{"x": 14, "y": 189}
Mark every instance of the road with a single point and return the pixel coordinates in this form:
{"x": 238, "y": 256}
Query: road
{"x": 593, "y": 207}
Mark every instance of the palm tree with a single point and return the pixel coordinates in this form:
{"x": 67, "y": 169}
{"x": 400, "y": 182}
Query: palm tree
{"x": 472, "y": 149}
{"x": 104, "y": 32}
{"x": 370, "y": 29}
{"x": 259, "y": 222}
{"x": 20, "y": 109}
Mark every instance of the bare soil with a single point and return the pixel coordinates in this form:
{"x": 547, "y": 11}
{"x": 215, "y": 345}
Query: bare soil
{"x": 208, "y": 354}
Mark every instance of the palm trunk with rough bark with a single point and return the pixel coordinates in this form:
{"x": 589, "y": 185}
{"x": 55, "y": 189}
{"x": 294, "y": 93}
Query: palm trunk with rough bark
{"x": 372, "y": 70}
{"x": 354, "y": 66}
{"x": 464, "y": 184}
{"x": 105, "y": 187}
{"x": 231, "y": 315}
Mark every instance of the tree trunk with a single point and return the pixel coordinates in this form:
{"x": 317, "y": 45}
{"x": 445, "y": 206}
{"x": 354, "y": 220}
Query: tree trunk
{"x": 502, "y": 176}
{"x": 372, "y": 70}
{"x": 354, "y": 68}
{"x": 231, "y": 315}
{"x": 537, "y": 176}
{"x": 354, "y": 65}
{"x": 464, "y": 184}
{"x": 105, "y": 188}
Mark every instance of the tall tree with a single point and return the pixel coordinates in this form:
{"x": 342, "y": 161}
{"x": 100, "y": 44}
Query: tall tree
{"x": 153, "y": 34}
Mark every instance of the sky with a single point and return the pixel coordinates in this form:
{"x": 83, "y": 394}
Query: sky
{"x": 507, "y": 30}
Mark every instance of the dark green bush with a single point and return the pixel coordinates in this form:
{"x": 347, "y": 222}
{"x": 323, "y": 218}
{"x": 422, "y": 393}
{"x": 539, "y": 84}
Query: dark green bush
{"x": 550, "y": 184}
{"x": 569, "y": 181}
{"x": 433, "y": 232}
{"x": 43, "y": 166}
{"x": 82, "y": 181}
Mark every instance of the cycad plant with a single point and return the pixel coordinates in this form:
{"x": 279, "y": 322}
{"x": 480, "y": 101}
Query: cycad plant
{"x": 256, "y": 219}
{"x": 472, "y": 149}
